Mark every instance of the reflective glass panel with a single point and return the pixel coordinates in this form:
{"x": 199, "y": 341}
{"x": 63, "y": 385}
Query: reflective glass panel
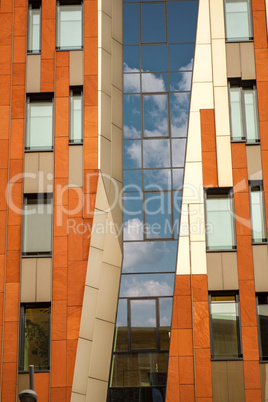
{"x": 153, "y": 22}
{"x": 154, "y": 58}
{"x": 34, "y": 29}
{"x": 158, "y": 215}
{"x": 132, "y": 180}
{"x": 251, "y": 115}
{"x": 181, "y": 57}
{"x": 132, "y": 154}
{"x": 156, "y": 153}
{"x": 76, "y": 118}
{"x": 151, "y": 256}
{"x": 153, "y": 82}
{"x": 180, "y": 81}
{"x": 132, "y": 83}
{"x": 133, "y": 216}
{"x": 182, "y": 17}
{"x": 236, "y": 114}
{"x": 132, "y": 116}
{"x": 165, "y": 309}
{"x": 258, "y": 227}
{"x": 147, "y": 285}
{"x": 131, "y": 58}
{"x": 69, "y": 27}
{"x": 179, "y": 113}
{"x": 39, "y": 126}
{"x": 131, "y": 24}
{"x": 262, "y": 310}
{"x": 178, "y": 152}
{"x": 238, "y": 24}
{"x": 143, "y": 324}
{"x": 177, "y": 178}
{"x": 121, "y": 332}
{"x": 177, "y": 195}
{"x": 155, "y": 115}
{"x": 157, "y": 179}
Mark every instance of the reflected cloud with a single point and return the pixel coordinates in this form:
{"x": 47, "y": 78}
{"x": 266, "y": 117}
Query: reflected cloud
{"x": 138, "y": 287}
{"x": 133, "y": 229}
{"x": 133, "y": 152}
{"x": 150, "y": 253}
{"x": 156, "y": 153}
{"x": 131, "y": 132}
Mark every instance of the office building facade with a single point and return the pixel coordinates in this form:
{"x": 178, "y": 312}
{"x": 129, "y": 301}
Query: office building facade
{"x": 133, "y": 203}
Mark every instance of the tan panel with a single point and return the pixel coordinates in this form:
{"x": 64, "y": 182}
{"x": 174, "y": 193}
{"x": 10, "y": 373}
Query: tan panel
{"x": 117, "y": 21}
{"x": 117, "y": 65}
{"x": 264, "y": 381}
{"x": 247, "y": 61}
{"x": 107, "y": 299}
{"x": 28, "y": 280}
{"x": 106, "y": 67}
{"x": 105, "y": 159}
{"x": 230, "y": 271}
{"x": 106, "y": 31}
{"x": 236, "y": 381}
{"x": 224, "y": 161}
{"x": 98, "y": 390}
{"x": 46, "y": 172}
{"x": 219, "y": 381}
{"x": 88, "y": 313}
{"x": 76, "y": 70}
{"x": 214, "y": 268}
{"x": 23, "y": 382}
{"x": 254, "y": 162}
{"x": 94, "y": 267}
{"x": 233, "y": 60}
{"x": 219, "y": 62}
{"x": 260, "y": 263}
{"x": 78, "y": 397}
{"x": 33, "y": 73}
{"x": 117, "y": 150}
{"x": 105, "y": 118}
{"x": 43, "y": 279}
{"x": 82, "y": 366}
{"x": 117, "y": 107}
{"x": 112, "y": 251}
{"x": 76, "y": 165}
{"x": 30, "y": 183}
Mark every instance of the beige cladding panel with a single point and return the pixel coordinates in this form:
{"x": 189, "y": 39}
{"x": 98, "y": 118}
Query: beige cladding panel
{"x": 107, "y": 298}
{"x": 84, "y": 348}
{"x": 236, "y": 384}
{"x": 219, "y": 381}
{"x": 264, "y": 382}
{"x": 98, "y": 390}
{"x": 33, "y": 73}
{"x": 39, "y": 172}
{"x": 230, "y": 271}
{"x": 44, "y": 280}
{"x": 30, "y": 182}
{"x": 76, "y": 71}
{"x": 260, "y": 263}
{"x": 224, "y": 161}
{"x": 23, "y": 382}
{"x": 28, "y": 280}
{"x": 247, "y": 61}
{"x": 233, "y": 60}
{"x": 254, "y": 162}
{"x": 117, "y": 20}
{"x": 214, "y": 269}
{"x": 76, "y": 166}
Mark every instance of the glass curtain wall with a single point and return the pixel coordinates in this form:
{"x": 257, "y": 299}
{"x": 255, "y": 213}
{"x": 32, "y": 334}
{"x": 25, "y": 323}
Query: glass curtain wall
{"x": 159, "y": 42}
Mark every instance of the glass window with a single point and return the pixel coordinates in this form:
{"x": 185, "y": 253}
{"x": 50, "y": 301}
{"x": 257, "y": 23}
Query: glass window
{"x": 155, "y": 108}
{"x": 225, "y": 326}
{"x": 37, "y": 220}
{"x": 131, "y": 24}
{"x": 238, "y": 20}
{"x": 244, "y": 113}
{"x": 258, "y": 225}
{"x": 262, "y": 311}
{"x": 39, "y": 124}
{"x": 158, "y": 215}
{"x": 156, "y": 153}
{"x": 34, "y": 27}
{"x": 182, "y": 16}
{"x": 76, "y": 116}
{"x": 220, "y": 228}
{"x": 153, "y": 22}
{"x": 34, "y": 337}
{"x": 132, "y": 154}
{"x": 69, "y": 26}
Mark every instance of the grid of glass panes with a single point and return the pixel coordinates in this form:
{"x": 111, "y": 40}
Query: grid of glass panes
{"x": 159, "y": 42}
{"x": 257, "y": 211}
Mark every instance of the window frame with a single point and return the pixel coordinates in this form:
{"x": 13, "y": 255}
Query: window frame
{"x": 34, "y": 4}
{"x": 258, "y": 294}
{"x": 250, "y": 21}
{"x": 257, "y": 184}
{"x": 69, "y": 3}
{"x": 228, "y": 191}
{"x": 239, "y": 330}
{"x": 75, "y": 90}
{"x": 39, "y": 197}
{"x": 243, "y": 85}
{"x": 23, "y": 306}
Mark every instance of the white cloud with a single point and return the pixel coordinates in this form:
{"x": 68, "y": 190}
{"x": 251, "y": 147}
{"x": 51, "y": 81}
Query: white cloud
{"x": 131, "y": 132}
{"x": 146, "y": 253}
{"x": 157, "y": 153}
{"x": 134, "y": 152}
{"x": 133, "y": 229}
{"x": 134, "y": 287}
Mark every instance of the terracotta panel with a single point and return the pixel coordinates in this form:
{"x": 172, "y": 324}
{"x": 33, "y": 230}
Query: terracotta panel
{"x": 60, "y": 221}
{"x": 62, "y": 59}
{"x": 90, "y": 153}
{"x": 203, "y": 373}
{"x": 3, "y": 181}
{"x": 16, "y": 168}
{"x": 263, "y": 100}
{"x": 201, "y": 325}
{"x": 60, "y": 251}
{"x": 239, "y": 156}
{"x": 17, "y": 138}
{"x": 62, "y": 117}
{"x": 11, "y": 342}
{"x": 252, "y": 375}
{"x": 200, "y": 288}
{"x": 6, "y": 29}
{"x": 240, "y": 180}
{"x": 76, "y": 282}
{"x": 59, "y": 320}
{"x": 90, "y": 19}
{"x": 91, "y": 63}
{"x": 242, "y": 214}
{"x": 19, "y": 49}
{"x": 58, "y": 364}
{"x": 2, "y": 272}
{"x": 5, "y": 59}
{"x": 183, "y": 307}
{"x": 61, "y": 191}
{"x": 259, "y": 29}
{"x": 250, "y": 343}
{"x": 261, "y": 59}
{"x": 91, "y": 90}
{"x": 12, "y": 302}
{"x": 245, "y": 258}
{"x": 41, "y": 385}
{"x": 47, "y": 75}
{"x": 9, "y": 379}
{"x": 61, "y": 157}
{"x": 263, "y": 136}
{"x": 15, "y": 203}
{"x": 186, "y": 370}
{"x": 18, "y": 102}
{"x": 18, "y": 74}
{"x": 75, "y": 241}
{"x": 253, "y": 395}
{"x": 20, "y": 3}
{"x": 187, "y": 393}
{"x": 173, "y": 380}
{"x": 49, "y": 10}
{"x": 185, "y": 342}
{"x": 73, "y": 322}
{"x": 14, "y": 238}
{"x": 2, "y": 232}
{"x": 208, "y": 139}
{"x": 91, "y": 121}
{"x": 57, "y": 394}
{"x": 258, "y": 5}
{"x": 210, "y": 174}
{"x": 59, "y": 283}
{"x": 4, "y": 90}
{"x": 62, "y": 81}
{"x": 13, "y": 266}
{"x": 71, "y": 355}
{"x": 265, "y": 170}
{"x": 6, "y": 6}
{"x": 4, "y": 122}
{"x": 48, "y": 38}
{"x": 247, "y": 303}
{"x": 3, "y": 154}
{"x": 76, "y": 202}
{"x": 20, "y": 21}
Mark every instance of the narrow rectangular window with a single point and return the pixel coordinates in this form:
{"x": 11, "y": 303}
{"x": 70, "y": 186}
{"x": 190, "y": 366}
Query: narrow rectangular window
{"x": 39, "y": 123}
{"x": 76, "y": 115}
{"x": 69, "y": 24}
{"x": 37, "y": 224}
{"x": 34, "y": 337}
{"x": 238, "y": 20}
{"x": 34, "y": 27}
{"x": 225, "y": 326}
{"x": 220, "y": 226}
{"x": 262, "y": 312}
{"x": 258, "y": 222}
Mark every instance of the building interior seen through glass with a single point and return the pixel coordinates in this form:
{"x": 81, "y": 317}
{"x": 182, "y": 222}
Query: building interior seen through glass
{"x": 159, "y": 42}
